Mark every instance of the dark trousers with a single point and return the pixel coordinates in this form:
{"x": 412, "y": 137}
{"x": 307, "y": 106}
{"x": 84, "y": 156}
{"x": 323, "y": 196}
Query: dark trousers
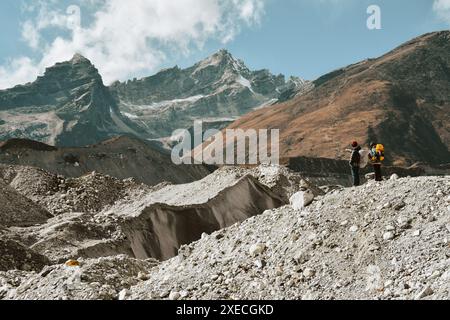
{"x": 355, "y": 176}
{"x": 378, "y": 175}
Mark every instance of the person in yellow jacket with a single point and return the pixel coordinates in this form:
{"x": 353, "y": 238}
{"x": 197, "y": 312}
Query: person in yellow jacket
{"x": 376, "y": 158}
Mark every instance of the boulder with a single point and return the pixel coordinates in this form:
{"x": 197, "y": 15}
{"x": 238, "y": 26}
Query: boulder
{"x": 394, "y": 177}
{"x": 389, "y": 236}
{"x": 301, "y": 199}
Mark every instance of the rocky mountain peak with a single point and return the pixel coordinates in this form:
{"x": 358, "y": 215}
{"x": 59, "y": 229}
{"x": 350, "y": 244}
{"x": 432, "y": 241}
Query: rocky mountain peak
{"x": 77, "y": 72}
{"x": 222, "y": 55}
{"x": 223, "y": 60}
{"x": 79, "y": 58}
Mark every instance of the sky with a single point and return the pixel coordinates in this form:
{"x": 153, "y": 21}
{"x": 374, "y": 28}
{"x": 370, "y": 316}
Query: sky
{"x": 137, "y": 38}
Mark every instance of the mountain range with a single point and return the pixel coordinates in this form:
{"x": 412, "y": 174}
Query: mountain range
{"x": 400, "y": 99}
{"x": 70, "y": 105}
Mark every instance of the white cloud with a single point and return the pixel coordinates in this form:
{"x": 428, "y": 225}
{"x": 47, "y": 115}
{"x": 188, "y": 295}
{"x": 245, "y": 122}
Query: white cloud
{"x": 442, "y": 9}
{"x": 17, "y": 71}
{"x": 126, "y": 38}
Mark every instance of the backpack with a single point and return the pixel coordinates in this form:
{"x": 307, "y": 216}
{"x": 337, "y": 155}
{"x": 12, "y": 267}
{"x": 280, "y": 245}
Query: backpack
{"x": 380, "y": 152}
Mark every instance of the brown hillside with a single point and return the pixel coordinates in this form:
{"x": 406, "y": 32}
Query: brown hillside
{"x": 401, "y": 99}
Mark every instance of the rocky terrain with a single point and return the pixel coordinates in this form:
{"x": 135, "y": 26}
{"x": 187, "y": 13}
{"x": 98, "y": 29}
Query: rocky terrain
{"x": 96, "y": 215}
{"x": 261, "y": 233}
{"x": 69, "y": 106}
{"x": 93, "y": 207}
{"x": 379, "y": 241}
{"x": 17, "y": 210}
{"x": 401, "y": 99}
{"x": 122, "y": 157}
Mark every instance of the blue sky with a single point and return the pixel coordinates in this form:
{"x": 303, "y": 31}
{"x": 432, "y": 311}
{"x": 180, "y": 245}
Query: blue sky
{"x": 306, "y": 38}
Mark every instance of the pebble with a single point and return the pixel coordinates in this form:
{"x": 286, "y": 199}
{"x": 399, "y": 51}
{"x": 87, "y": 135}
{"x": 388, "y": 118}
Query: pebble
{"x": 279, "y": 271}
{"x": 388, "y": 236}
{"x": 301, "y": 257}
{"x": 215, "y": 277}
{"x": 142, "y": 276}
{"x": 257, "y": 249}
{"x": 309, "y": 273}
{"x": 399, "y": 206}
{"x": 426, "y": 292}
{"x": 123, "y": 294}
{"x": 260, "y": 264}
{"x": 354, "y": 229}
{"x": 174, "y": 295}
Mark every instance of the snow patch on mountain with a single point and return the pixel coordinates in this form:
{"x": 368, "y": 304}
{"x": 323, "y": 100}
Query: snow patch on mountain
{"x": 245, "y": 82}
{"x": 164, "y": 104}
{"x": 130, "y": 116}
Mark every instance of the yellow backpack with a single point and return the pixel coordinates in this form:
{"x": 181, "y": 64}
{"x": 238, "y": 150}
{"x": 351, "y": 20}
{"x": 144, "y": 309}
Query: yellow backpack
{"x": 380, "y": 152}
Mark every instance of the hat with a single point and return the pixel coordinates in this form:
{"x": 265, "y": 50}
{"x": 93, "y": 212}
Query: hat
{"x": 354, "y": 144}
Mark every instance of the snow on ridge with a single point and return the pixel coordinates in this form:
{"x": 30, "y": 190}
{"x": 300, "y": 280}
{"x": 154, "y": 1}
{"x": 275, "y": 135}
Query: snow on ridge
{"x": 244, "y": 82}
{"x": 162, "y": 104}
{"x": 130, "y": 115}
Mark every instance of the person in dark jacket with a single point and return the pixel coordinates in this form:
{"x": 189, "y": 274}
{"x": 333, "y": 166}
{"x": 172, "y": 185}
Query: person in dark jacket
{"x": 375, "y": 159}
{"x": 355, "y": 163}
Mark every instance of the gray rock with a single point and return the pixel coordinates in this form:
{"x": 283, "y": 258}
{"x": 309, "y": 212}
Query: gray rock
{"x": 388, "y": 236}
{"x": 309, "y": 273}
{"x": 124, "y": 294}
{"x": 257, "y": 249}
{"x": 301, "y": 200}
{"x": 426, "y": 292}
{"x": 174, "y": 295}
